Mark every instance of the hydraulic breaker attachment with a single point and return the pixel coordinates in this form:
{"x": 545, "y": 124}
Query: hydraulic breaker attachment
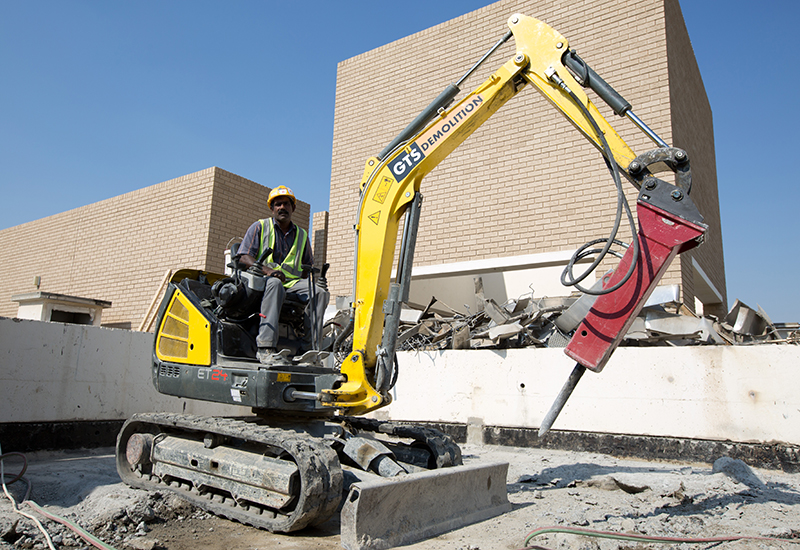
{"x": 669, "y": 224}
{"x": 663, "y": 234}
{"x": 402, "y": 510}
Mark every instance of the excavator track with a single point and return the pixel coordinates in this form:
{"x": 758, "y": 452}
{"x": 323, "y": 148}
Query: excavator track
{"x": 271, "y": 478}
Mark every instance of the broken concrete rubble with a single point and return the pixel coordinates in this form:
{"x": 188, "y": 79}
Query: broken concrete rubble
{"x": 548, "y": 321}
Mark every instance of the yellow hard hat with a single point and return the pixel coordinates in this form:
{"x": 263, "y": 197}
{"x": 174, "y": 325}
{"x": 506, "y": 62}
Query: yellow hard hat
{"x": 281, "y": 191}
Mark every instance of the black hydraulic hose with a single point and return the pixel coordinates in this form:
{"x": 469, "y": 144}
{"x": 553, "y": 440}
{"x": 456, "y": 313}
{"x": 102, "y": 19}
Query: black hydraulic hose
{"x": 635, "y": 537}
{"x": 395, "y": 374}
{"x": 346, "y": 332}
{"x": 567, "y": 278}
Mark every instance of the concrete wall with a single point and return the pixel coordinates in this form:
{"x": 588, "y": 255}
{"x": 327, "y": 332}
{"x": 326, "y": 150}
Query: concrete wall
{"x": 741, "y": 393}
{"x": 57, "y": 372}
{"x": 119, "y": 249}
{"x": 503, "y": 279}
{"x": 525, "y": 182}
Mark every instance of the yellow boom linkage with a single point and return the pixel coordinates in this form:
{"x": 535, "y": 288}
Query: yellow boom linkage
{"x": 390, "y": 185}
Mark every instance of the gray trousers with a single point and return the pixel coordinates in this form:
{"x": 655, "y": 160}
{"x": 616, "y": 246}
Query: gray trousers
{"x": 272, "y": 301}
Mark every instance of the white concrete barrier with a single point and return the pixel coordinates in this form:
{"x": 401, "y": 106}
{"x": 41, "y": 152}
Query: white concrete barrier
{"x": 59, "y": 372}
{"x": 737, "y": 393}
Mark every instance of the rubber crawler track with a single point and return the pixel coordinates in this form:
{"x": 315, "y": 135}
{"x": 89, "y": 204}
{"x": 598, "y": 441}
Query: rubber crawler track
{"x": 321, "y": 477}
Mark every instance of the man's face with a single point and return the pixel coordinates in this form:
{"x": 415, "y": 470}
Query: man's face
{"x": 282, "y": 209}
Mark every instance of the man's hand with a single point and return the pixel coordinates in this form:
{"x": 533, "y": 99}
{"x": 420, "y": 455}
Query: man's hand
{"x": 250, "y": 262}
{"x": 277, "y": 273}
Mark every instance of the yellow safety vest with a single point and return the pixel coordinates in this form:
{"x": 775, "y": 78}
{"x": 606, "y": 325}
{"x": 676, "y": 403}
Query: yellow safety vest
{"x": 292, "y": 264}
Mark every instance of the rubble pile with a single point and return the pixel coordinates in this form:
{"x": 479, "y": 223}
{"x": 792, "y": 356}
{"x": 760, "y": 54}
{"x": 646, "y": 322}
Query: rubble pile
{"x": 549, "y": 322}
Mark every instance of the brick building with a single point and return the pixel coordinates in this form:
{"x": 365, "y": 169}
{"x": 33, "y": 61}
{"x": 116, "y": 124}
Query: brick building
{"x": 526, "y": 190}
{"x": 511, "y": 204}
{"x": 120, "y": 249}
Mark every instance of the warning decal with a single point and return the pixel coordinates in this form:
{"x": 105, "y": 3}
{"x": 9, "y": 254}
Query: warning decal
{"x": 383, "y": 189}
{"x": 375, "y": 217}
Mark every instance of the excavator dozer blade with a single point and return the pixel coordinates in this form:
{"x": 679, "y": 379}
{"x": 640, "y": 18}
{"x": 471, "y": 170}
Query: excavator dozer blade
{"x": 402, "y": 510}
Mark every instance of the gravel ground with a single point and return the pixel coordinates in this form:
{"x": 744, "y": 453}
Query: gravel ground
{"x": 547, "y": 488}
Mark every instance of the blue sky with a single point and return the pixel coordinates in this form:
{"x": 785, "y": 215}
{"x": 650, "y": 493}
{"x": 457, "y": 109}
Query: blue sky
{"x": 101, "y": 98}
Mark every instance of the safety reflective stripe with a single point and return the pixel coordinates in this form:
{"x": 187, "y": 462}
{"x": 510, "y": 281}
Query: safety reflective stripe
{"x": 291, "y": 266}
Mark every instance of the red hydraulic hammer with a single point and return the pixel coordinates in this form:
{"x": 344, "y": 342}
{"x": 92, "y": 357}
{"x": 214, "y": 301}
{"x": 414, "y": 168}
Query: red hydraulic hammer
{"x": 669, "y": 224}
{"x": 662, "y": 236}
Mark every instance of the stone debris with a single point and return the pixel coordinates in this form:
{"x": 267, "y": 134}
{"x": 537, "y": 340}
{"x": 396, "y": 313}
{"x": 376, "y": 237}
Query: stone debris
{"x": 546, "y": 487}
{"x": 124, "y": 522}
{"x": 531, "y": 321}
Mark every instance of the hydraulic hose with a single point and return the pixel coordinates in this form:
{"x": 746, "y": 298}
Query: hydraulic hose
{"x": 643, "y": 538}
{"x": 341, "y": 338}
{"x": 567, "y": 277}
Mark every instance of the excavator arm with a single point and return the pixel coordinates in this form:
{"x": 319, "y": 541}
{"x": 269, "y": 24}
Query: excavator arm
{"x": 390, "y": 191}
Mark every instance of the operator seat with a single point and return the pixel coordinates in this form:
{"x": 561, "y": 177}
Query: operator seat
{"x": 293, "y": 309}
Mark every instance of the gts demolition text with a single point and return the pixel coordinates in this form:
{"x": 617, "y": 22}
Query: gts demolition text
{"x": 435, "y": 134}
{"x": 403, "y": 164}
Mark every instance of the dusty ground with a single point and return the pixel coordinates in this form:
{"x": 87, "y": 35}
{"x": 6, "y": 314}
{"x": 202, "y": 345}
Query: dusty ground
{"x": 546, "y": 488}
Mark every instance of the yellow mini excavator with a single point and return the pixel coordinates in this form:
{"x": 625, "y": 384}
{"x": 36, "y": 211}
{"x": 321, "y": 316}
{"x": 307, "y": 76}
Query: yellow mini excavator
{"x": 306, "y": 452}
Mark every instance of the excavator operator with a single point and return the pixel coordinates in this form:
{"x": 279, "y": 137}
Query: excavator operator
{"x": 291, "y": 252}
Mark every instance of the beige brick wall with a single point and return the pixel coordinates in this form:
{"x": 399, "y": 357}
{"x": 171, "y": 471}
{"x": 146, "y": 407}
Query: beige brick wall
{"x": 693, "y": 129}
{"x": 319, "y": 225}
{"x": 526, "y": 181}
{"x": 119, "y": 249}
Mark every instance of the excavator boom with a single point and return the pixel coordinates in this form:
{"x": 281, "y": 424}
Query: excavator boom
{"x": 390, "y": 190}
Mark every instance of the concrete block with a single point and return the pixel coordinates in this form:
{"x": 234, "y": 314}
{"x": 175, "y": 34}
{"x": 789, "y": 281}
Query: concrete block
{"x": 55, "y": 372}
